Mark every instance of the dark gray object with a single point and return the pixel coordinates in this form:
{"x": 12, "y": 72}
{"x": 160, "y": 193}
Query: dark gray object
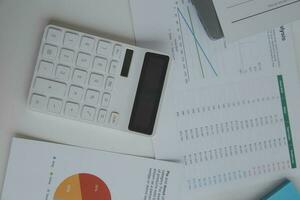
{"x": 208, "y": 17}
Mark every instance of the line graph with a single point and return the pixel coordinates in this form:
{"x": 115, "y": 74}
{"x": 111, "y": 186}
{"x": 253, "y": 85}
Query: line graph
{"x": 191, "y": 29}
{"x": 193, "y": 50}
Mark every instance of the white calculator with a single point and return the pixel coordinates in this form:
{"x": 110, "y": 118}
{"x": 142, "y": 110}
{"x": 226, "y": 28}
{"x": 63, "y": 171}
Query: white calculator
{"x": 96, "y": 80}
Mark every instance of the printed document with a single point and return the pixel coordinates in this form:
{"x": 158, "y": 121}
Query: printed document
{"x": 40, "y": 170}
{"x": 240, "y": 18}
{"x": 231, "y": 111}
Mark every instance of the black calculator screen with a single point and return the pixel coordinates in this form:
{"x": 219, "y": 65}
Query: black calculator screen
{"x": 148, "y": 93}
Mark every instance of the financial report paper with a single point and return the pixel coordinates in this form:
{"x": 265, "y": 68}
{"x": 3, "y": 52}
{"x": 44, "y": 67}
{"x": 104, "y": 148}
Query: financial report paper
{"x": 42, "y": 170}
{"x": 231, "y": 110}
{"x": 240, "y": 18}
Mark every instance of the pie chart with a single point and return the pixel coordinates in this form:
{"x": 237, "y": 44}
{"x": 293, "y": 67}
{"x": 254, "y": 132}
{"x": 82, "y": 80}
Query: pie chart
{"x": 82, "y": 187}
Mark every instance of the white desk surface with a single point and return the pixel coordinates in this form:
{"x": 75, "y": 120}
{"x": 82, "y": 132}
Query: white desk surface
{"x": 21, "y": 27}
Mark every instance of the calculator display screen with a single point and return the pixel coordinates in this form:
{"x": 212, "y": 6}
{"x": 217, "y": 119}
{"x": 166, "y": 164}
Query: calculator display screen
{"x": 148, "y": 93}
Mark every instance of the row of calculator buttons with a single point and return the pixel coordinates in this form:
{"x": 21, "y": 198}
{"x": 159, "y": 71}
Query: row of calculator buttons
{"x": 76, "y": 93}
{"x": 79, "y": 77}
{"x": 86, "y": 43}
{"x": 72, "y": 110}
{"x": 83, "y": 60}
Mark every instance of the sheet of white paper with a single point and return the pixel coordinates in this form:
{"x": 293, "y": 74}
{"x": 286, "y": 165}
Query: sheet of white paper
{"x": 40, "y": 170}
{"x": 240, "y": 18}
{"x": 225, "y": 111}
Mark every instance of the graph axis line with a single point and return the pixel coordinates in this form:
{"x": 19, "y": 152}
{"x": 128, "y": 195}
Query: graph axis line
{"x": 186, "y": 65}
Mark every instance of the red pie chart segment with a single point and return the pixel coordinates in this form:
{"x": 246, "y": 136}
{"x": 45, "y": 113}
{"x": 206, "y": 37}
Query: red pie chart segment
{"x": 82, "y": 187}
{"x": 93, "y": 188}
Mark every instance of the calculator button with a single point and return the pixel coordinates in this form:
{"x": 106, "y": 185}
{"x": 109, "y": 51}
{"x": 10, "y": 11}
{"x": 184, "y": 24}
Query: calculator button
{"x": 104, "y": 48}
{"x": 100, "y": 64}
{"x": 87, "y": 44}
{"x": 83, "y": 60}
{"x": 102, "y": 115}
{"x": 50, "y": 52}
{"x": 62, "y": 73}
{"x": 117, "y": 52}
{"x": 54, "y": 36}
{"x": 96, "y": 80}
{"x": 55, "y": 105}
{"x": 113, "y": 67}
{"x": 75, "y": 93}
{"x": 51, "y": 88}
{"x": 72, "y": 109}
{"x": 71, "y": 40}
{"x": 88, "y": 113}
{"x": 91, "y": 97}
{"x": 66, "y": 56}
{"x": 105, "y": 100}
{"x": 109, "y": 83}
{"x": 114, "y": 118}
{"x": 46, "y": 69}
{"x": 79, "y": 77}
{"x": 38, "y": 102}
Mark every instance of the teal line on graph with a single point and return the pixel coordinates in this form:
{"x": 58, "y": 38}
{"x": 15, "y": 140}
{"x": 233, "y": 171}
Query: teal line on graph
{"x": 197, "y": 49}
{"x": 196, "y": 40}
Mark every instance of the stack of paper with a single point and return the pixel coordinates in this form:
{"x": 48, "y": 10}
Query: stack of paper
{"x": 232, "y": 110}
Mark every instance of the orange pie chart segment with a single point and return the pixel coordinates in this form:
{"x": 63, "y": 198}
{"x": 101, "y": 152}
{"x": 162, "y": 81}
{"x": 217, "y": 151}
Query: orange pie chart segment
{"x": 69, "y": 189}
{"x": 82, "y": 187}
